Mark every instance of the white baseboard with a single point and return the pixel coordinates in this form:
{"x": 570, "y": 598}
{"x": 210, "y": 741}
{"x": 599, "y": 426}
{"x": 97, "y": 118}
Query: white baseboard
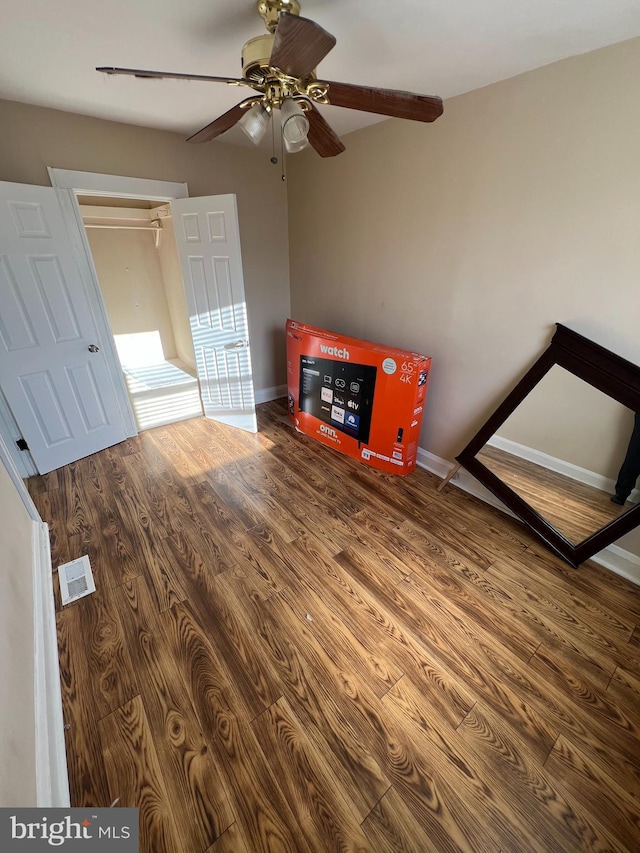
{"x": 52, "y": 781}
{"x": 624, "y": 563}
{"x": 438, "y": 466}
{"x": 614, "y": 558}
{"x": 462, "y": 479}
{"x": 267, "y": 394}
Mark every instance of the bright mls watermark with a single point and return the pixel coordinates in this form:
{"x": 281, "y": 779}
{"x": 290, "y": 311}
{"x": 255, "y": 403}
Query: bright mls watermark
{"x": 83, "y": 830}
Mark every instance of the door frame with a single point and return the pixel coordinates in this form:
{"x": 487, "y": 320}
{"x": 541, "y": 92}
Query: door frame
{"x": 68, "y": 184}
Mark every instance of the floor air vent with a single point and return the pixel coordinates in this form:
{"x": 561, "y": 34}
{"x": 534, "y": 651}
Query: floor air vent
{"x": 76, "y": 580}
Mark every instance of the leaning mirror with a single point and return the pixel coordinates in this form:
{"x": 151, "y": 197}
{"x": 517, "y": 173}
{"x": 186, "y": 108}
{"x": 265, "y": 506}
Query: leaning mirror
{"x": 554, "y": 450}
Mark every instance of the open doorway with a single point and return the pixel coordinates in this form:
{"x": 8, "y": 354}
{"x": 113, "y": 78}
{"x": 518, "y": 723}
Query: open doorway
{"x": 135, "y": 256}
{"x": 207, "y": 237}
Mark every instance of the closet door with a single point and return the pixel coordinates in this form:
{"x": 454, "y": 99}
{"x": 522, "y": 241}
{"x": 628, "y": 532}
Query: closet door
{"x": 208, "y": 241}
{"x": 52, "y": 370}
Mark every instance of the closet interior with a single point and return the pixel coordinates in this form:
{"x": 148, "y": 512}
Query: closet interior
{"x": 135, "y": 256}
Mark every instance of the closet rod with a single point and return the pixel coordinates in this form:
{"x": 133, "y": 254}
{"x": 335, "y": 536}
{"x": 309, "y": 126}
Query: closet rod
{"x": 156, "y": 228}
{"x": 127, "y": 227}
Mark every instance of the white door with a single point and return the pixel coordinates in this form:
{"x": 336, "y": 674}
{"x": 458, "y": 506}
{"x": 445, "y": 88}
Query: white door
{"x": 52, "y": 371}
{"x": 208, "y": 242}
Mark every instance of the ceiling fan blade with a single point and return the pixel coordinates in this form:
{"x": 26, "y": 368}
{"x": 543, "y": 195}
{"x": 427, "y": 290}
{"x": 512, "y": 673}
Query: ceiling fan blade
{"x": 158, "y": 75}
{"x": 299, "y": 45}
{"x": 386, "y": 102}
{"x": 219, "y": 125}
{"x": 321, "y": 136}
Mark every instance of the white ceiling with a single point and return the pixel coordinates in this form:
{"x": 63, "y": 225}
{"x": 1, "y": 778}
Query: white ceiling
{"x": 48, "y": 50}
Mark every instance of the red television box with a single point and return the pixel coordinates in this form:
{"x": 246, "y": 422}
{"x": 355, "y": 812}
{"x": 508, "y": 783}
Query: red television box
{"x": 361, "y": 398}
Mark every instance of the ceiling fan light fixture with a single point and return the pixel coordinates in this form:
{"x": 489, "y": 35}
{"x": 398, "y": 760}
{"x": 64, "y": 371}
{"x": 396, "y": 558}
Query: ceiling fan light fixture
{"x": 294, "y": 147}
{"x": 295, "y": 124}
{"x": 281, "y": 68}
{"x": 255, "y": 122}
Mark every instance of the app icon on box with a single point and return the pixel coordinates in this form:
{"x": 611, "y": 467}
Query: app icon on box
{"x": 352, "y": 421}
{"x": 337, "y": 414}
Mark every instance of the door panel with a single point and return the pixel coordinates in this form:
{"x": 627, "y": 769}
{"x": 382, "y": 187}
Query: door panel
{"x": 16, "y": 330}
{"x": 208, "y": 243}
{"x": 61, "y": 395}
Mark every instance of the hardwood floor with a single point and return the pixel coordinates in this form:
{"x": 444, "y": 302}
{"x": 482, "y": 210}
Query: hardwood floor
{"x": 288, "y": 651}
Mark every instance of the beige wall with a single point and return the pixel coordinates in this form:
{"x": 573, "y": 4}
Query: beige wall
{"x": 469, "y": 238}
{"x": 34, "y": 138}
{"x": 130, "y": 275}
{"x": 17, "y": 719}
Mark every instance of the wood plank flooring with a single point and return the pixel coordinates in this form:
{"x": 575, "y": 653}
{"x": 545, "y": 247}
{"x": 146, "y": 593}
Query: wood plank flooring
{"x": 288, "y": 651}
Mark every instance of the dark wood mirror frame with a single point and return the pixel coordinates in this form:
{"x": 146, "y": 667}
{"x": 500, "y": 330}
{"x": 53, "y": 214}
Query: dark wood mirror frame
{"x": 604, "y": 370}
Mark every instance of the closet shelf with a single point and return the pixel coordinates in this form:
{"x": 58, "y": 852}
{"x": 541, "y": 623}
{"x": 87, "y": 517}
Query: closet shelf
{"x": 157, "y": 229}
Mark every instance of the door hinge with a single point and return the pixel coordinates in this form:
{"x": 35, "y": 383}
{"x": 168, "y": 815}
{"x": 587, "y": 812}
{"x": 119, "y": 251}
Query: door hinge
{"x": 22, "y": 444}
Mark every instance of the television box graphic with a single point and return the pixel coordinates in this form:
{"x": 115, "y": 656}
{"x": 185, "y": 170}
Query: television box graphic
{"x": 360, "y": 398}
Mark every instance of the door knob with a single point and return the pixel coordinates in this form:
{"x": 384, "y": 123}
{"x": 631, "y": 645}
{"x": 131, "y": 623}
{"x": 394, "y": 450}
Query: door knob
{"x": 93, "y": 348}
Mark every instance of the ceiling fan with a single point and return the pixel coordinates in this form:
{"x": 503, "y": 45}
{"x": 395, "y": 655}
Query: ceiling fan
{"x": 281, "y": 69}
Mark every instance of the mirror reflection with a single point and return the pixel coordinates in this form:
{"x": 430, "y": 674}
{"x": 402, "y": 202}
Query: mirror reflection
{"x": 571, "y": 452}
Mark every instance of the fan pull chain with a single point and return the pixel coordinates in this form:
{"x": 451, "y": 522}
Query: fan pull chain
{"x": 274, "y": 159}
{"x": 283, "y": 158}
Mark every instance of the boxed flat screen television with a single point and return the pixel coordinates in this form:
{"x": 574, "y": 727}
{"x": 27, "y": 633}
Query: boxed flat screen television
{"x": 361, "y": 398}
